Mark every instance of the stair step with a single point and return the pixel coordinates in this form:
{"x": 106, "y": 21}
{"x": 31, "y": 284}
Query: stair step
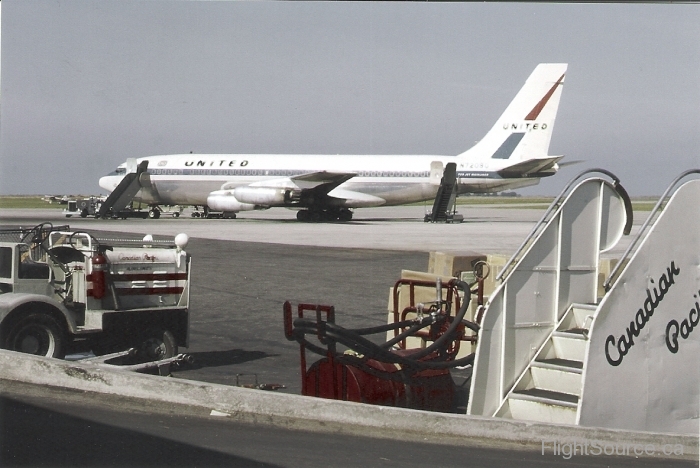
{"x": 551, "y": 378}
{"x": 562, "y": 363}
{"x": 576, "y": 331}
{"x": 582, "y": 306}
{"x": 547, "y": 396}
{"x": 568, "y": 335}
{"x": 526, "y": 407}
{"x": 578, "y": 318}
{"x": 565, "y": 346}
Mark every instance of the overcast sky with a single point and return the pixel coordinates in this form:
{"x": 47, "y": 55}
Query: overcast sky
{"x": 88, "y": 83}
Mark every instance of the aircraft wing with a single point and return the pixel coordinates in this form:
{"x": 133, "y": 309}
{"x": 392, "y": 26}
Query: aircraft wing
{"x": 531, "y": 166}
{"x": 322, "y": 182}
{"x": 313, "y": 188}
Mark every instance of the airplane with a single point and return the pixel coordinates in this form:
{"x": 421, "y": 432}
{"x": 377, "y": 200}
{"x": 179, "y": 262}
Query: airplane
{"x": 513, "y": 154}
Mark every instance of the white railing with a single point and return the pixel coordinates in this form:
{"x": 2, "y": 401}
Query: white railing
{"x": 556, "y": 266}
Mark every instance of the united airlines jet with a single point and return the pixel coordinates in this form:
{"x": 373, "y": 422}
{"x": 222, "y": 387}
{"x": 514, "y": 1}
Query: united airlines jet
{"x": 513, "y": 154}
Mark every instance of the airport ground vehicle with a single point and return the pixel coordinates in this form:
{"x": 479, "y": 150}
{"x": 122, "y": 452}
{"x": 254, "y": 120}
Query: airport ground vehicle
{"x": 83, "y": 207}
{"x": 61, "y": 288}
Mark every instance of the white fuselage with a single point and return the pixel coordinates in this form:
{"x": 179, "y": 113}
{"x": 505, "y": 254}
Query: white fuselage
{"x": 188, "y": 179}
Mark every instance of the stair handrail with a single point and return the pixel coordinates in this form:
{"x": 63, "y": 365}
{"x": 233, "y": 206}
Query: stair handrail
{"x": 555, "y": 205}
{"x": 607, "y": 284}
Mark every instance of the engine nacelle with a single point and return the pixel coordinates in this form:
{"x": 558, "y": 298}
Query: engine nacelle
{"x": 261, "y": 195}
{"x": 224, "y": 200}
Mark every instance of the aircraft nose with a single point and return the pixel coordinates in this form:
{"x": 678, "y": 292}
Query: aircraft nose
{"x": 109, "y": 182}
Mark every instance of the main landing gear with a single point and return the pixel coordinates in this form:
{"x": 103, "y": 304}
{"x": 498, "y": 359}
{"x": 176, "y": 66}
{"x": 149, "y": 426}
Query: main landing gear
{"x": 318, "y": 216}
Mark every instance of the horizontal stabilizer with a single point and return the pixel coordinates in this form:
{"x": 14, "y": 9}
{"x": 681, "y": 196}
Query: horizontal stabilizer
{"x": 571, "y": 163}
{"x": 531, "y": 166}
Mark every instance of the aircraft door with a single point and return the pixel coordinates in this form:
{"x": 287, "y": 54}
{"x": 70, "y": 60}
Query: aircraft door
{"x": 436, "y": 170}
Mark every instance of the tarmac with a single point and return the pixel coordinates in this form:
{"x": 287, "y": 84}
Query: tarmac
{"x": 244, "y": 269}
{"x": 486, "y": 228}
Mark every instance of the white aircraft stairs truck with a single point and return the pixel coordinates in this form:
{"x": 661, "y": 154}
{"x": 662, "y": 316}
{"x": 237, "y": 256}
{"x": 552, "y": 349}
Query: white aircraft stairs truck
{"x": 551, "y": 350}
{"x": 445, "y": 200}
{"x": 137, "y": 177}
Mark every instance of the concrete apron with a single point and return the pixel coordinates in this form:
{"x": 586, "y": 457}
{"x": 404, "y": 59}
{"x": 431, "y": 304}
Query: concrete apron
{"x": 316, "y": 414}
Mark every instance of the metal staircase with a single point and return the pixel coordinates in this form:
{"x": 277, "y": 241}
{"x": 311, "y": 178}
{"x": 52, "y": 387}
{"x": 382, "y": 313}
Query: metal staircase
{"x": 125, "y": 192}
{"x": 550, "y": 388}
{"x": 550, "y": 350}
{"x": 445, "y": 199}
{"x": 532, "y": 344}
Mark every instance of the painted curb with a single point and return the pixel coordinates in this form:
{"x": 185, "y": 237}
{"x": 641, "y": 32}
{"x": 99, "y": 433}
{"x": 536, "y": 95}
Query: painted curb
{"x": 299, "y": 412}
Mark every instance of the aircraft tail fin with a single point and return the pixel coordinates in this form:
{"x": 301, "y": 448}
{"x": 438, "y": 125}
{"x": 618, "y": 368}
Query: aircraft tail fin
{"x": 524, "y": 130}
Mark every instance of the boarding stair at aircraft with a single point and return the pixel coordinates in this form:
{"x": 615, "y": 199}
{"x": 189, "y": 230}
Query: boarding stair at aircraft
{"x": 125, "y": 192}
{"x": 534, "y": 333}
{"x": 556, "y": 346}
{"x": 444, "y": 204}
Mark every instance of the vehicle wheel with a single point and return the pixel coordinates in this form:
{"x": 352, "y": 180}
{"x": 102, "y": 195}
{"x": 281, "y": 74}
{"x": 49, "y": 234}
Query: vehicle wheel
{"x": 345, "y": 215}
{"x": 303, "y": 215}
{"x": 157, "y": 344}
{"x": 38, "y": 334}
{"x": 176, "y": 215}
{"x": 328, "y": 215}
{"x": 84, "y": 213}
{"x": 154, "y": 213}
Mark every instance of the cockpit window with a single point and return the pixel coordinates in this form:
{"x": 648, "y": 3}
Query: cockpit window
{"x": 118, "y": 171}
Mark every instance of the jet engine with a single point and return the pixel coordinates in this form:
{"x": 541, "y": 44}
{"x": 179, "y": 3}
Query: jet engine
{"x": 224, "y": 200}
{"x": 261, "y": 195}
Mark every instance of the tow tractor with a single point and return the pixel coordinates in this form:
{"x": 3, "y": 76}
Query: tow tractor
{"x": 62, "y": 289}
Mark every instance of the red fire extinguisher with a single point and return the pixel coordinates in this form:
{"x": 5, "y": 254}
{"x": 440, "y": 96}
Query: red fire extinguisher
{"x": 98, "y": 276}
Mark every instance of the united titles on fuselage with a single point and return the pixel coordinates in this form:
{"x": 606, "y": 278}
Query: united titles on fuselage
{"x": 212, "y": 163}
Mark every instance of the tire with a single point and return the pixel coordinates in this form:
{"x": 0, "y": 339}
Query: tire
{"x": 84, "y": 213}
{"x": 154, "y": 214}
{"x": 345, "y": 215}
{"x": 176, "y": 215}
{"x": 37, "y": 333}
{"x": 155, "y": 345}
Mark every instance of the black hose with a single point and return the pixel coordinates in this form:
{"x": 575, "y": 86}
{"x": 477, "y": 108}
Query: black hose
{"x": 364, "y": 331}
{"x": 449, "y": 333}
{"x": 354, "y": 340}
{"x": 383, "y": 328}
{"x": 408, "y": 332}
